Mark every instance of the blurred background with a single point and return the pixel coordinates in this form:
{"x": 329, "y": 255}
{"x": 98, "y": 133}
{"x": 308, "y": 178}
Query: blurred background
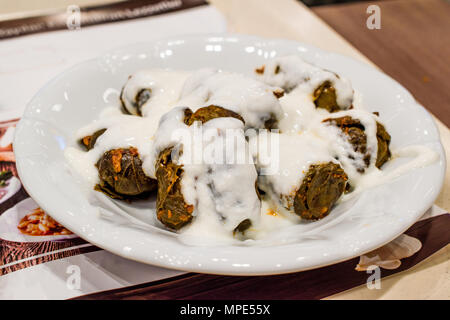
{"x": 13, "y": 7}
{"x": 411, "y": 32}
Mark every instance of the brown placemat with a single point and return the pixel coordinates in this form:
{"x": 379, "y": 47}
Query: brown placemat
{"x": 313, "y": 284}
{"x": 11, "y": 251}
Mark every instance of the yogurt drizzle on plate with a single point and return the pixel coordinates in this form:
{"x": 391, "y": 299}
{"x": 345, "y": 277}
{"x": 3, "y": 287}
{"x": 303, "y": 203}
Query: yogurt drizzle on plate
{"x": 303, "y": 139}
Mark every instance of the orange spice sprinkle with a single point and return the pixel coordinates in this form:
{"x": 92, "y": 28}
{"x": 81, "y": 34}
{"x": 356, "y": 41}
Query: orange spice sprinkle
{"x": 86, "y": 140}
{"x": 184, "y": 218}
{"x": 116, "y": 158}
{"x": 172, "y": 182}
{"x": 189, "y": 208}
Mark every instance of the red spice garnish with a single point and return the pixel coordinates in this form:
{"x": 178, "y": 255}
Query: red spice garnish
{"x": 38, "y": 223}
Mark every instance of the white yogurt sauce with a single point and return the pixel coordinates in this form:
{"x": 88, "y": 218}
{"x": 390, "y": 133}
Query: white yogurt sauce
{"x": 252, "y": 99}
{"x": 338, "y": 144}
{"x": 292, "y": 159}
{"x": 419, "y": 157}
{"x": 224, "y": 195}
{"x": 291, "y": 72}
{"x": 165, "y": 89}
{"x": 221, "y": 190}
{"x": 123, "y": 131}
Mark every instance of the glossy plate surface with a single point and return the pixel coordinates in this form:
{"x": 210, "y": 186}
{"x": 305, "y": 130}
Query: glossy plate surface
{"x": 77, "y": 96}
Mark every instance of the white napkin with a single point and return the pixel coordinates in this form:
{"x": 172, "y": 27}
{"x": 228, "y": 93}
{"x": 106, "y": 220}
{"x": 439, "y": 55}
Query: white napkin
{"x": 28, "y": 62}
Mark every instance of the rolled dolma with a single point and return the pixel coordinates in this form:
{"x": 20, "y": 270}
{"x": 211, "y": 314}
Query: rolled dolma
{"x": 221, "y": 193}
{"x": 134, "y": 97}
{"x": 327, "y": 90}
{"x": 208, "y": 113}
{"x": 88, "y": 142}
{"x": 121, "y": 175}
{"x": 146, "y": 88}
{"x": 321, "y": 187}
{"x": 354, "y": 131}
{"x": 256, "y": 102}
{"x": 307, "y": 182}
{"x": 384, "y": 140}
{"x": 171, "y": 208}
{"x": 324, "y": 97}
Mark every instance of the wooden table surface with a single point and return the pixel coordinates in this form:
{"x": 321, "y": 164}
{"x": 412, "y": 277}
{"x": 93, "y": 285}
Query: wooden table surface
{"x": 412, "y": 46}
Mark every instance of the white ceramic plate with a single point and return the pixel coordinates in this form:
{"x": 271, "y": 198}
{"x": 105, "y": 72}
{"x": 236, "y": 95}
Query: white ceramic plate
{"x": 77, "y": 96}
{"x": 11, "y": 188}
{"x": 10, "y": 219}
